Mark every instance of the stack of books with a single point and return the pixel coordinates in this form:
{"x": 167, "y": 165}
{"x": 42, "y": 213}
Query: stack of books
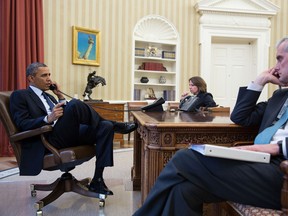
{"x": 169, "y": 95}
{"x": 168, "y": 54}
{"x": 152, "y": 66}
{"x": 139, "y": 52}
{"x": 137, "y": 94}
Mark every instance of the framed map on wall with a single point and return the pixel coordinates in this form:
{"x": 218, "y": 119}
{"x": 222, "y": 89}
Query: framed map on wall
{"x": 86, "y": 46}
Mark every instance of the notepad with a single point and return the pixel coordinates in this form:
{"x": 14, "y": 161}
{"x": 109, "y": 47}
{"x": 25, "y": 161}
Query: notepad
{"x": 231, "y": 153}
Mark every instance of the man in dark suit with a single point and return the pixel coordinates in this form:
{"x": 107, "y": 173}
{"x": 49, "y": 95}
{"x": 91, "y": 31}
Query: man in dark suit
{"x": 74, "y": 123}
{"x": 191, "y": 179}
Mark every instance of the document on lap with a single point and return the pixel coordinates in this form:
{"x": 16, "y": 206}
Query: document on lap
{"x": 230, "y": 153}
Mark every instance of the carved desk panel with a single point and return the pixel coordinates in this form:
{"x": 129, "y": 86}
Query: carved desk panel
{"x": 161, "y": 134}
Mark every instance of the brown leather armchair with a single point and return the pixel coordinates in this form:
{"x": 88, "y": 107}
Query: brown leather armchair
{"x": 59, "y": 159}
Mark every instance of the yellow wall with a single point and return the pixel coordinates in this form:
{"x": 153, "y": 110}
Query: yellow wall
{"x": 116, "y": 19}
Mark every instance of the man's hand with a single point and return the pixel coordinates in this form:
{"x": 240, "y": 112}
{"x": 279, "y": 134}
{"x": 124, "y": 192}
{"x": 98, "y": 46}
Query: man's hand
{"x": 58, "y": 92}
{"x": 57, "y": 112}
{"x": 272, "y": 149}
{"x": 269, "y": 76}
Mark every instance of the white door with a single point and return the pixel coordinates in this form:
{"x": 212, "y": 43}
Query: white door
{"x": 231, "y": 67}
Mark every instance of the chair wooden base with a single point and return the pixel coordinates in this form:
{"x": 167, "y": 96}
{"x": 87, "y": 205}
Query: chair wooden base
{"x": 66, "y": 183}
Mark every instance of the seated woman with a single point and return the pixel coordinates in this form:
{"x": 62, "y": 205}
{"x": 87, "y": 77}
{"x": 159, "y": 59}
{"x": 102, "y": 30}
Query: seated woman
{"x": 198, "y": 88}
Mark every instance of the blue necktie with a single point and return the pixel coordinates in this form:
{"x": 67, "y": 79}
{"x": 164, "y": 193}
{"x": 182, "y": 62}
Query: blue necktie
{"x": 266, "y": 135}
{"x": 51, "y": 105}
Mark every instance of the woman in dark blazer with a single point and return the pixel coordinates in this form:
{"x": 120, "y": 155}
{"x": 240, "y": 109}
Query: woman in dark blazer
{"x": 198, "y": 88}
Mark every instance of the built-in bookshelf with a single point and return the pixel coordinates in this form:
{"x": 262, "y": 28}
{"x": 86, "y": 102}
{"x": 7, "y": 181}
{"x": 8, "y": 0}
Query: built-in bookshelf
{"x": 155, "y": 60}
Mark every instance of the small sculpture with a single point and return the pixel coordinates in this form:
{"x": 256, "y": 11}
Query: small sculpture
{"x": 150, "y": 94}
{"x": 92, "y": 81}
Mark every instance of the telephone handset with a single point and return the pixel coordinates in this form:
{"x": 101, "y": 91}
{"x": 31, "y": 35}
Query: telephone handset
{"x": 188, "y": 103}
{"x": 52, "y": 87}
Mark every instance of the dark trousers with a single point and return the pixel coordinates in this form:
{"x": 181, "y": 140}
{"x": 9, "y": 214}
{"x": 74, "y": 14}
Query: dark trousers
{"x": 191, "y": 179}
{"x": 81, "y": 125}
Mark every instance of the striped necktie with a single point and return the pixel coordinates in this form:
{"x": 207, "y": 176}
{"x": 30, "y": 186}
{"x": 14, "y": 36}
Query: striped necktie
{"x": 51, "y": 105}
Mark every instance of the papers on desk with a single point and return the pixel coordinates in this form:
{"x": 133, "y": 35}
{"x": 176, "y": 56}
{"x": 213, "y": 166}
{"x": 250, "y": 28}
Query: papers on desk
{"x": 231, "y": 153}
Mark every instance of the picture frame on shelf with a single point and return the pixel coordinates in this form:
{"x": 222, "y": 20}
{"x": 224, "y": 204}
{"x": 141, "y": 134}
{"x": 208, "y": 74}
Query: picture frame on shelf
{"x": 86, "y": 46}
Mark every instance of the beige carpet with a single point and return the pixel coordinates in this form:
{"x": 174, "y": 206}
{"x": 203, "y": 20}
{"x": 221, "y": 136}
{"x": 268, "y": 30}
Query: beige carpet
{"x": 16, "y": 198}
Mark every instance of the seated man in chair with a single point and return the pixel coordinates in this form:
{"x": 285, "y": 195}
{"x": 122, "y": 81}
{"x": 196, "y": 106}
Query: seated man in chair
{"x": 190, "y": 179}
{"x": 74, "y": 123}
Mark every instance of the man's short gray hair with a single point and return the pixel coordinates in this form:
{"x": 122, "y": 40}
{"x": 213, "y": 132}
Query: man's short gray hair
{"x": 32, "y": 68}
{"x": 283, "y": 40}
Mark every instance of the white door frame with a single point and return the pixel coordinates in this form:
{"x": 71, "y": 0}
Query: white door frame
{"x": 233, "y": 19}
{"x": 261, "y": 48}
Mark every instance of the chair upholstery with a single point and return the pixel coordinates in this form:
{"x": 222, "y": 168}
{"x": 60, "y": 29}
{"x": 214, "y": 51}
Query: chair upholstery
{"x": 133, "y": 106}
{"x": 59, "y": 159}
{"x": 173, "y": 106}
{"x": 237, "y": 209}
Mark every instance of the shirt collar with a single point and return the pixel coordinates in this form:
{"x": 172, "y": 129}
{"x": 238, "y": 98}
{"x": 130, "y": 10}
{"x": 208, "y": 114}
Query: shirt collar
{"x": 36, "y": 90}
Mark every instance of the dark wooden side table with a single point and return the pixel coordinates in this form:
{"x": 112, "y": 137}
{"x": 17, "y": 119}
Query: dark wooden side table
{"x": 110, "y": 111}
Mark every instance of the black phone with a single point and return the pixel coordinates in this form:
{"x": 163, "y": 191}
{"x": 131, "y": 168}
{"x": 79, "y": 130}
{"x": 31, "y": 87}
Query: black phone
{"x": 52, "y": 87}
{"x": 188, "y": 104}
{"x": 156, "y": 106}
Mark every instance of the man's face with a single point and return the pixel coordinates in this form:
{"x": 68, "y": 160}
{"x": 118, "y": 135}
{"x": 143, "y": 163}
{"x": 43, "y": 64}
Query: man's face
{"x": 41, "y": 79}
{"x": 282, "y": 63}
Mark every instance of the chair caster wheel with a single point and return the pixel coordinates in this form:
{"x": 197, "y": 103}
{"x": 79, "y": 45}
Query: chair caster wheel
{"x": 39, "y": 213}
{"x": 101, "y": 203}
{"x": 33, "y": 193}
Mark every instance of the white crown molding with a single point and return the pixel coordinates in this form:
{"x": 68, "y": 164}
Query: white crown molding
{"x": 251, "y": 7}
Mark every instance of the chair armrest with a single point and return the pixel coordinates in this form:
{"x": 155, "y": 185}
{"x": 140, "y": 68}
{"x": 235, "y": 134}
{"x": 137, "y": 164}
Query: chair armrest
{"x": 284, "y": 190}
{"x": 30, "y": 133}
{"x": 284, "y": 167}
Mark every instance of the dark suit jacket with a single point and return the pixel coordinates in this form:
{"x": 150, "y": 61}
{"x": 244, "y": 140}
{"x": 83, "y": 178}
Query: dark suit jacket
{"x": 248, "y": 113}
{"x": 28, "y": 112}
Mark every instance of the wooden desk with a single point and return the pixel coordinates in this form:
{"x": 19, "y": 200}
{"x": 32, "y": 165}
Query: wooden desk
{"x": 106, "y": 110}
{"x": 161, "y": 134}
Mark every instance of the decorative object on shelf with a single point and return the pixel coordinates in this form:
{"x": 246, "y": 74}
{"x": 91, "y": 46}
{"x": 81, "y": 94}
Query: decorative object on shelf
{"x": 139, "y": 52}
{"x": 86, "y": 46}
{"x": 152, "y": 66}
{"x": 150, "y": 95}
{"x": 168, "y": 55}
{"x": 162, "y": 79}
{"x": 151, "y": 51}
{"x": 93, "y": 81}
{"x": 144, "y": 80}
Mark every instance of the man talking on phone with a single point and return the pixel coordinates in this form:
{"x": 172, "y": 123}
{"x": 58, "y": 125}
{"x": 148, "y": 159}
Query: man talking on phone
{"x": 74, "y": 123}
{"x": 190, "y": 179}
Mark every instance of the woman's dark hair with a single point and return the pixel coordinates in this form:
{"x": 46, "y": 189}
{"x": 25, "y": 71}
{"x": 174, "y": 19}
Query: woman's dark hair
{"x": 32, "y": 68}
{"x": 200, "y": 83}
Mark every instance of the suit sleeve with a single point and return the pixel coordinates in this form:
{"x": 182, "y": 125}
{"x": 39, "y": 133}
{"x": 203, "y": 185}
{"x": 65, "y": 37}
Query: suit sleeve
{"x": 247, "y": 112}
{"x": 25, "y": 113}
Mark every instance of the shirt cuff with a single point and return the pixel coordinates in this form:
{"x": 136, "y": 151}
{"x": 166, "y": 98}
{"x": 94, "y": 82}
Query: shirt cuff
{"x": 63, "y": 101}
{"x": 46, "y": 119}
{"x": 255, "y": 87}
{"x": 284, "y": 148}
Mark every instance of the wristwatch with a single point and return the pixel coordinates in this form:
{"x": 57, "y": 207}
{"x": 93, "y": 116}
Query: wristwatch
{"x": 279, "y": 143}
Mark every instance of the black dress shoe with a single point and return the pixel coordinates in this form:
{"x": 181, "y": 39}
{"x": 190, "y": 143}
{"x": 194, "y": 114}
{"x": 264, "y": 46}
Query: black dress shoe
{"x": 124, "y": 127}
{"x": 100, "y": 187}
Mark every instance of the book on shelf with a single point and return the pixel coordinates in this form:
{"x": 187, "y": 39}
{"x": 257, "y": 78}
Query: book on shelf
{"x": 139, "y": 52}
{"x": 155, "y": 66}
{"x": 168, "y": 54}
{"x": 137, "y": 94}
{"x": 230, "y": 153}
{"x": 169, "y": 95}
